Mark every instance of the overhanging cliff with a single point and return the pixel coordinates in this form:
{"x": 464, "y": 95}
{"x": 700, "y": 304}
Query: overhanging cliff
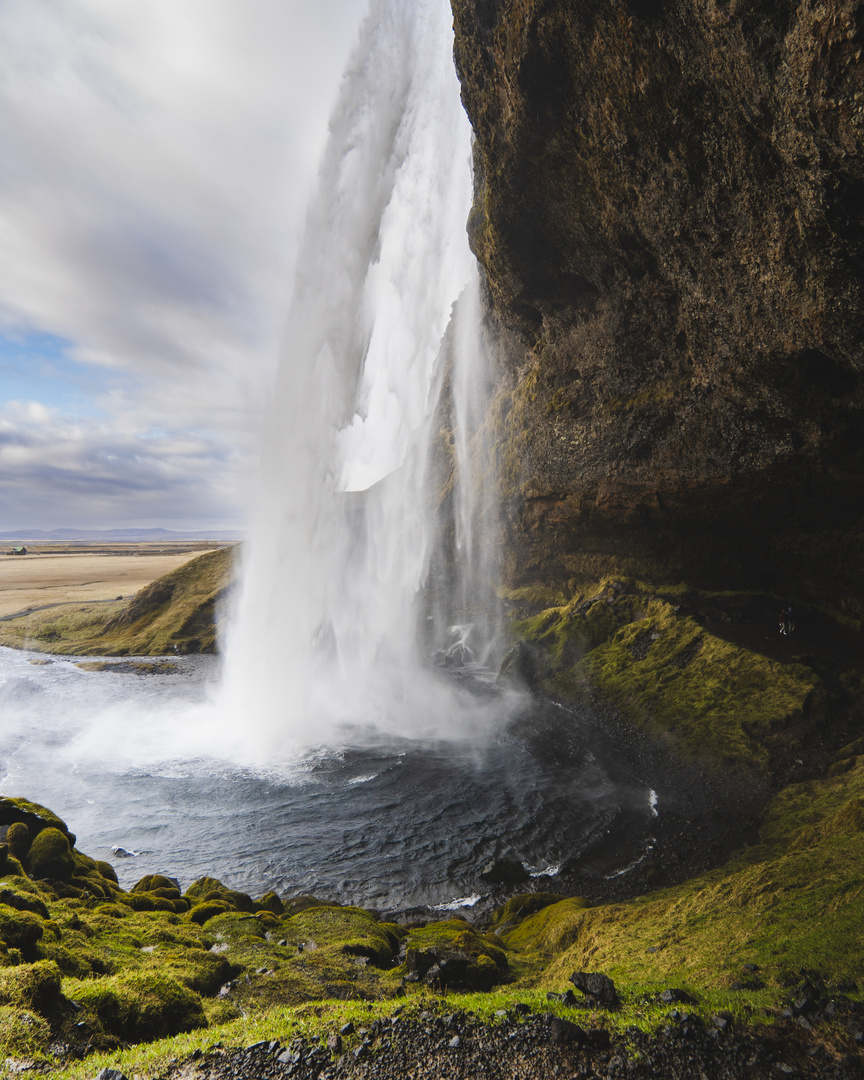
{"x": 669, "y": 216}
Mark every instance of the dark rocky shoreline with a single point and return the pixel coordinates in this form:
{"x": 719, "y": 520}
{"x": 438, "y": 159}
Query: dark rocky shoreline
{"x": 441, "y": 1045}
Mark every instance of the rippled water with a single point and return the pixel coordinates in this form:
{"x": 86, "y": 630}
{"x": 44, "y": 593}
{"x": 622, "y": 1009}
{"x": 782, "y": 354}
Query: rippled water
{"x": 141, "y": 763}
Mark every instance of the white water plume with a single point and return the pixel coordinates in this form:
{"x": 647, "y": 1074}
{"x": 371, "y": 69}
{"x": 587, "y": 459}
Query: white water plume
{"x": 325, "y": 629}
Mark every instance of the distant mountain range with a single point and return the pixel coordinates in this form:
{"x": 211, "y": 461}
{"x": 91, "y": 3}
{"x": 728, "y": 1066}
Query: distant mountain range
{"x": 114, "y": 535}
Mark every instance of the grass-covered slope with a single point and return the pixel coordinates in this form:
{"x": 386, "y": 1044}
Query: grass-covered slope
{"x": 86, "y": 966}
{"x": 791, "y": 904}
{"x": 718, "y": 689}
{"x": 176, "y": 613}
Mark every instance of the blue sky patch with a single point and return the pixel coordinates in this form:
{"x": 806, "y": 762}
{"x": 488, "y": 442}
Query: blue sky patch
{"x": 39, "y": 367}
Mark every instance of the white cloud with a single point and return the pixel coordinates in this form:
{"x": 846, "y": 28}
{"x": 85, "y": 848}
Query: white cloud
{"x": 155, "y": 161}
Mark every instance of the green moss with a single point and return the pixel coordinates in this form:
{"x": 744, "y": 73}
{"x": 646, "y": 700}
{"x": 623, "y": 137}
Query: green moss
{"x": 10, "y": 867}
{"x": 233, "y": 927}
{"x": 176, "y": 613}
{"x": 156, "y": 882}
{"x": 518, "y": 907}
{"x": 302, "y": 902}
{"x": 139, "y": 1007}
{"x": 200, "y": 970}
{"x": 481, "y": 961}
{"x": 20, "y": 930}
{"x": 799, "y": 809}
{"x": 107, "y": 871}
{"x": 23, "y": 1034}
{"x": 352, "y": 931}
{"x": 270, "y": 902}
{"x": 23, "y": 895}
{"x": 720, "y": 704}
{"x": 18, "y": 839}
{"x": 50, "y": 856}
{"x": 35, "y": 987}
{"x": 33, "y": 814}
{"x": 202, "y": 913}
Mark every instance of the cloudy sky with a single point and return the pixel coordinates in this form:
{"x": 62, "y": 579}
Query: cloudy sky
{"x": 155, "y": 162}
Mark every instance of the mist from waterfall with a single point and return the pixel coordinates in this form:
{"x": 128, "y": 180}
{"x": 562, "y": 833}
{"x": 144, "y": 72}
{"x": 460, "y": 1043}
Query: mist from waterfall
{"x": 326, "y": 632}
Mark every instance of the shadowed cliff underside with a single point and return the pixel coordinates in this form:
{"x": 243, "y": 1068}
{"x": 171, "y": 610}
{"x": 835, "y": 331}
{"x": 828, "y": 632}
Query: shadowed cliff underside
{"x": 668, "y": 216}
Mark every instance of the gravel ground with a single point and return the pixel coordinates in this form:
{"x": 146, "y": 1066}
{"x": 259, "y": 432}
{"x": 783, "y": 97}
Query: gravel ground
{"x": 456, "y": 1046}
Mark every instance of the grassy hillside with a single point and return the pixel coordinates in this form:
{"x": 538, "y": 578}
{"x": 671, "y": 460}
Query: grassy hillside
{"x": 175, "y": 614}
{"x": 162, "y": 973}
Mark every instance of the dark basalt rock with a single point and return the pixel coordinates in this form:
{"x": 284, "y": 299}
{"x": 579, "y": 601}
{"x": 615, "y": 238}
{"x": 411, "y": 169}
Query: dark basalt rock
{"x": 504, "y": 872}
{"x": 668, "y": 217}
{"x": 598, "y": 988}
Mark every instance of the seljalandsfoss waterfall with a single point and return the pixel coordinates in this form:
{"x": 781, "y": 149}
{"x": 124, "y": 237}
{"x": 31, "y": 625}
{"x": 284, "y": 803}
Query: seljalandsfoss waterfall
{"x": 329, "y": 624}
{"x": 353, "y": 740}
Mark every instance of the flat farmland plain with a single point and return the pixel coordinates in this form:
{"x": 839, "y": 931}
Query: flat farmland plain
{"x": 53, "y": 575}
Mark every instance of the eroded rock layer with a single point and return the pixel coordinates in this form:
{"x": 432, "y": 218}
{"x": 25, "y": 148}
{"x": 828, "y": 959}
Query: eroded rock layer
{"x": 669, "y": 217}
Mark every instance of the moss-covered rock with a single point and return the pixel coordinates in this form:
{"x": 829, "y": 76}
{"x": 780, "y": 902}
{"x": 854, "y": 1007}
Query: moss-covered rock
{"x": 452, "y": 955}
{"x": 139, "y": 1007}
{"x": 36, "y": 987}
{"x": 20, "y": 930}
{"x": 23, "y": 895}
{"x": 23, "y": 1034}
{"x": 518, "y": 907}
{"x": 50, "y": 856}
{"x": 158, "y": 883}
{"x": 270, "y": 902}
{"x": 295, "y": 904}
{"x": 719, "y": 703}
{"x": 18, "y": 839}
{"x": 33, "y": 815}
{"x": 9, "y": 865}
{"x": 209, "y": 909}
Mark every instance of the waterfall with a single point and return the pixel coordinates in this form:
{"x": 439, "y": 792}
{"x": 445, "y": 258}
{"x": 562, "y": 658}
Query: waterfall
{"x": 325, "y": 632}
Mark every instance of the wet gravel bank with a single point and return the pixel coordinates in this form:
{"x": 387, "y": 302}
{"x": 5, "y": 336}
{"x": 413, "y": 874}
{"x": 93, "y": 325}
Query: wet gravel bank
{"x": 456, "y": 1046}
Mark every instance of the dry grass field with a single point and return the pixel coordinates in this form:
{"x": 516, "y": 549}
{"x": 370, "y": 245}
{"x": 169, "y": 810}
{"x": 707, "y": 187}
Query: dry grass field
{"x": 46, "y": 576}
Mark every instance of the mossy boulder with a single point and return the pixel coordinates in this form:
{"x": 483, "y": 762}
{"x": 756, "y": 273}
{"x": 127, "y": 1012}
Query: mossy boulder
{"x": 18, "y": 839}
{"x": 139, "y": 1007}
{"x": 50, "y": 856}
{"x": 16, "y": 895}
{"x": 149, "y": 902}
{"x": 107, "y": 871}
{"x": 520, "y": 907}
{"x": 20, "y": 930}
{"x": 36, "y": 987}
{"x": 350, "y": 930}
{"x": 295, "y": 904}
{"x": 31, "y": 814}
{"x": 233, "y": 927}
{"x": 9, "y": 865}
{"x": 451, "y": 955}
{"x": 165, "y": 886}
{"x": 209, "y": 909}
{"x": 209, "y": 888}
{"x": 270, "y": 902}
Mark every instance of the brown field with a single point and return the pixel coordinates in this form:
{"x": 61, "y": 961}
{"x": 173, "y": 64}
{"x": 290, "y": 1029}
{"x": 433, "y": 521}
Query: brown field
{"x": 49, "y": 575}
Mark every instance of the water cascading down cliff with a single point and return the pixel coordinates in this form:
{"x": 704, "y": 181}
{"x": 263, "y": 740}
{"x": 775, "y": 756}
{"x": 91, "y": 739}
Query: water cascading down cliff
{"x": 328, "y": 626}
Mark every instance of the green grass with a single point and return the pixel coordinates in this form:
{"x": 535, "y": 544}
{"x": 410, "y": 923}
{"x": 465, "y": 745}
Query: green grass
{"x": 175, "y": 613}
{"x": 719, "y": 704}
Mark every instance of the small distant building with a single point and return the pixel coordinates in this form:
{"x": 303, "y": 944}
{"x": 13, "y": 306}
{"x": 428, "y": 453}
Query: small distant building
{"x": 18, "y": 550}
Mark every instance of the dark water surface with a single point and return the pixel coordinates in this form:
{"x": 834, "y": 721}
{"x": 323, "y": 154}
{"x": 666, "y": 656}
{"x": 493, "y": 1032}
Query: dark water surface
{"x": 138, "y": 763}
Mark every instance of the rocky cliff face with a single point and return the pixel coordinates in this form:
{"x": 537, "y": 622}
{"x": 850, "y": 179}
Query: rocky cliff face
{"x": 669, "y": 216}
